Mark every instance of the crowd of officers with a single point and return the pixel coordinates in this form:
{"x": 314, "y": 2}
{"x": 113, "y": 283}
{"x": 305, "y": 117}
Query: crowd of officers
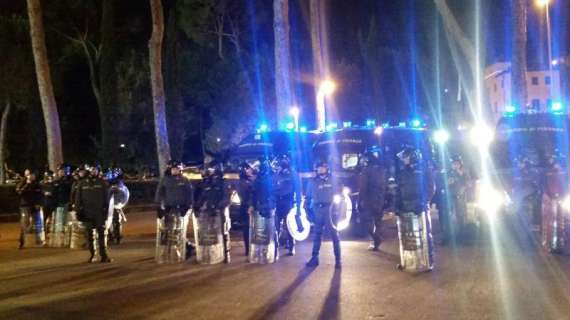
{"x": 61, "y": 197}
{"x": 269, "y": 189}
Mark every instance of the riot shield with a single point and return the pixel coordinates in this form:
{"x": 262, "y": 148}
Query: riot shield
{"x": 262, "y": 236}
{"x": 76, "y": 232}
{"x": 57, "y": 230}
{"x": 554, "y": 222}
{"x": 298, "y": 224}
{"x": 341, "y": 212}
{"x": 208, "y": 235}
{"x": 416, "y": 242}
{"x": 32, "y": 231}
{"x": 171, "y": 237}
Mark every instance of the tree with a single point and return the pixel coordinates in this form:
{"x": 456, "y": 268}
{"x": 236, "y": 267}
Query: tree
{"x": 157, "y": 85}
{"x": 45, "y": 86}
{"x": 519, "y": 89}
{"x": 283, "y": 92}
{"x": 316, "y": 45}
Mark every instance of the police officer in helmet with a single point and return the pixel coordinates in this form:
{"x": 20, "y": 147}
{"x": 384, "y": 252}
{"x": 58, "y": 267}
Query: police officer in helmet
{"x": 319, "y": 197}
{"x": 372, "y": 185}
{"x": 174, "y": 193}
{"x": 247, "y": 176}
{"x": 284, "y": 196}
{"x": 92, "y": 204}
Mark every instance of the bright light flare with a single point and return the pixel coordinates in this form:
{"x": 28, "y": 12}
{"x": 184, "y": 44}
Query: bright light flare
{"x": 327, "y": 87}
{"x": 566, "y": 204}
{"x": 292, "y": 223}
{"x": 542, "y": 3}
{"x": 441, "y": 136}
{"x": 481, "y": 136}
{"x": 295, "y": 111}
{"x": 378, "y": 131}
{"x": 490, "y": 199}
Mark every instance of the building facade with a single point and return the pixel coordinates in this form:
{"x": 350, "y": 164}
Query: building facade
{"x": 543, "y": 89}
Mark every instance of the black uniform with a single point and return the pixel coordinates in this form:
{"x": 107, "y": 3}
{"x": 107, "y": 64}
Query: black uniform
{"x": 459, "y": 182}
{"x": 284, "y": 197}
{"x": 319, "y": 196}
{"x": 30, "y": 210}
{"x": 244, "y": 190}
{"x": 415, "y": 189}
{"x": 213, "y": 197}
{"x": 371, "y": 200}
{"x": 92, "y": 205}
{"x": 263, "y": 197}
{"x": 175, "y": 193}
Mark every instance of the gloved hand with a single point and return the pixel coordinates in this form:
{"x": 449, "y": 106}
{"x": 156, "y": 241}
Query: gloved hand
{"x": 298, "y": 222}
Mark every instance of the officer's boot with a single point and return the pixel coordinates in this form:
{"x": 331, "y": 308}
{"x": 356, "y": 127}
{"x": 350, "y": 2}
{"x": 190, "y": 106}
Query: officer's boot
{"x": 91, "y": 243}
{"x": 103, "y": 247}
{"x": 336, "y": 248}
{"x": 313, "y": 263}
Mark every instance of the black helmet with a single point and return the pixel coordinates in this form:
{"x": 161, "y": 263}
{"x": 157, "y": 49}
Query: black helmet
{"x": 49, "y": 174}
{"x": 413, "y": 154}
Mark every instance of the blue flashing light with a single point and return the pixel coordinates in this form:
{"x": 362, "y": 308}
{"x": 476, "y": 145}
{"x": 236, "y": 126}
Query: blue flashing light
{"x": 290, "y": 126}
{"x": 416, "y": 123}
{"x": 402, "y": 124}
{"x": 347, "y": 124}
{"x": 557, "y": 107}
{"x": 263, "y": 128}
{"x": 331, "y": 126}
{"x": 303, "y": 129}
{"x": 385, "y": 125}
{"x": 510, "y": 109}
{"x": 371, "y": 123}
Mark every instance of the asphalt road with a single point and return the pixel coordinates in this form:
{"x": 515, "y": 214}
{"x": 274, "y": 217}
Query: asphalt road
{"x": 504, "y": 277}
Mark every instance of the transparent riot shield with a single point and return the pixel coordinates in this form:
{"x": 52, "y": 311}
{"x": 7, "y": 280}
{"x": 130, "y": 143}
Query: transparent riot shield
{"x": 32, "y": 231}
{"x": 209, "y": 236}
{"x": 57, "y": 229}
{"x": 262, "y": 238}
{"x": 554, "y": 222}
{"x": 416, "y": 242}
{"x": 171, "y": 237}
{"x": 76, "y": 232}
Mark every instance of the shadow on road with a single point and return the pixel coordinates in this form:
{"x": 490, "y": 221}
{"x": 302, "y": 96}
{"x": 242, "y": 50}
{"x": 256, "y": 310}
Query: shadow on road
{"x": 283, "y": 297}
{"x": 331, "y": 306}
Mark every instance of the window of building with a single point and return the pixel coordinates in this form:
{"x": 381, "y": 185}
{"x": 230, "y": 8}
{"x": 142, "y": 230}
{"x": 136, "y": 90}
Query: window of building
{"x": 535, "y": 81}
{"x": 536, "y": 104}
{"x": 547, "y": 80}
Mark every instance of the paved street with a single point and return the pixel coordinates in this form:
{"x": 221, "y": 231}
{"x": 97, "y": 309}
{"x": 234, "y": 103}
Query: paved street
{"x": 504, "y": 279}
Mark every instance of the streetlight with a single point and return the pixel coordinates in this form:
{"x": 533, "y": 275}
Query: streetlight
{"x": 546, "y": 5}
{"x": 295, "y": 112}
{"x": 326, "y": 88}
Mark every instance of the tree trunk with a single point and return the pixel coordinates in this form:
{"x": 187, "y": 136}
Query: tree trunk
{"x": 3, "y": 131}
{"x": 157, "y": 85}
{"x": 283, "y": 92}
{"x": 109, "y": 114}
{"x": 315, "y": 20}
{"x": 519, "y": 88}
{"x": 49, "y": 106}
{"x": 176, "y": 116}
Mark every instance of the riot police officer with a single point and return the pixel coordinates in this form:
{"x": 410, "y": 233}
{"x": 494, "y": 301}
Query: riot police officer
{"x": 459, "y": 183}
{"x": 263, "y": 246}
{"x": 372, "y": 185}
{"x": 554, "y": 222}
{"x": 48, "y": 201}
{"x": 247, "y": 177}
{"x": 92, "y": 204}
{"x": 31, "y": 216}
{"x": 415, "y": 190}
{"x": 61, "y": 195}
{"x": 318, "y": 200}
{"x": 175, "y": 196}
{"x": 213, "y": 198}
{"x": 526, "y": 191}
{"x": 120, "y": 194}
{"x": 284, "y": 196}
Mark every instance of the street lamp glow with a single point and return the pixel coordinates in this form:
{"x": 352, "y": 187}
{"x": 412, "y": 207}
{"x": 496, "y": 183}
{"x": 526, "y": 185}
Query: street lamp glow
{"x": 481, "y": 136}
{"x": 542, "y": 3}
{"x": 327, "y": 87}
